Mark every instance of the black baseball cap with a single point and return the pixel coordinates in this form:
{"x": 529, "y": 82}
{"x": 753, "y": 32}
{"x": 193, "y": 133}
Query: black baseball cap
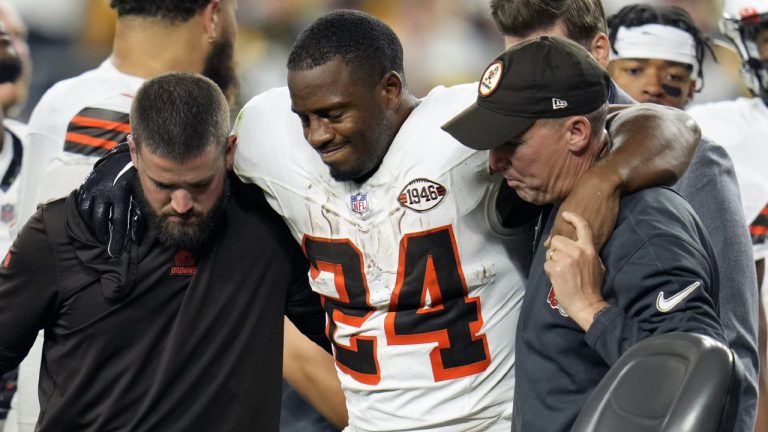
{"x": 545, "y": 77}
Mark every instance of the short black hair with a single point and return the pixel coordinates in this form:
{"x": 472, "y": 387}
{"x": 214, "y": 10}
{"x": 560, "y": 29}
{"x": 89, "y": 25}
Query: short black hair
{"x": 582, "y": 20}
{"x": 359, "y": 39}
{"x": 179, "y": 115}
{"x": 636, "y": 15}
{"x": 169, "y": 10}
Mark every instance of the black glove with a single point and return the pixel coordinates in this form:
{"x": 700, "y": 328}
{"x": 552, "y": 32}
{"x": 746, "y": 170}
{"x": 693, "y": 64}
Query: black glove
{"x": 105, "y": 200}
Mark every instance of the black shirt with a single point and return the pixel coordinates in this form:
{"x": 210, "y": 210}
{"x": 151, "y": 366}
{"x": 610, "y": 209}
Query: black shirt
{"x": 191, "y": 342}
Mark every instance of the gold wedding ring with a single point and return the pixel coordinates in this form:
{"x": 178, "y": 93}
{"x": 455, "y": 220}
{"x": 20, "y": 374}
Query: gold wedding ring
{"x": 550, "y": 254}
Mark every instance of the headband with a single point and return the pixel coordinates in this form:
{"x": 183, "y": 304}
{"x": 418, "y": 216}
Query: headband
{"x": 655, "y": 41}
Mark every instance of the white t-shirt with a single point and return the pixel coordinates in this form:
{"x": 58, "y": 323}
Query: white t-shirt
{"x": 741, "y": 127}
{"x": 422, "y": 284}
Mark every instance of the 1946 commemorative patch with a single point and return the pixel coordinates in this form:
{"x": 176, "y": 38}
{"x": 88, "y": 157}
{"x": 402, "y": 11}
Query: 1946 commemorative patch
{"x": 421, "y": 195}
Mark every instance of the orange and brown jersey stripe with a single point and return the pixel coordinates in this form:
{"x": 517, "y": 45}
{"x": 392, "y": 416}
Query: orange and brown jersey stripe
{"x": 759, "y": 227}
{"x": 94, "y": 131}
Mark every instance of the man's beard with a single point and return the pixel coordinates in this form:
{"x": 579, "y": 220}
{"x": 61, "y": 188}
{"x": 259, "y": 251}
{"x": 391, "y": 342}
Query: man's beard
{"x": 185, "y": 235}
{"x": 368, "y": 164}
{"x": 10, "y": 69}
{"x": 220, "y": 68}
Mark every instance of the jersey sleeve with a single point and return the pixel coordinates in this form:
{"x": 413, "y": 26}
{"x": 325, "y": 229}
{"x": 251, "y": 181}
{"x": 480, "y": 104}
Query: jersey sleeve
{"x": 305, "y": 311}
{"x": 28, "y": 292}
{"x": 665, "y": 286}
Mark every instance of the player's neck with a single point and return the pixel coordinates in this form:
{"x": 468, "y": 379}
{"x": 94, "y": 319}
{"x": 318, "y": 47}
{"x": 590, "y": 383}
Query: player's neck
{"x": 147, "y": 47}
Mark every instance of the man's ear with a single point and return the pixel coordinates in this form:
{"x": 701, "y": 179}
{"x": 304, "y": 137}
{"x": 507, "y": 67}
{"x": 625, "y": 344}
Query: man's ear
{"x": 600, "y": 48}
{"x": 392, "y": 89}
{"x": 579, "y": 131}
{"x": 229, "y": 152}
{"x": 211, "y": 19}
{"x": 132, "y": 149}
{"x": 692, "y": 90}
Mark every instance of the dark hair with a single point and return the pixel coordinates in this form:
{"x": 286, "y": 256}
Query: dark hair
{"x": 359, "y": 39}
{"x": 672, "y": 16}
{"x": 169, "y": 10}
{"x": 179, "y": 115}
{"x": 582, "y": 20}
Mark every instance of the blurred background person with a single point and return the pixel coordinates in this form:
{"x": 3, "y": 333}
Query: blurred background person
{"x": 14, "y": 72}
{"x": 656, "y": 54}
{"x": 13, "y": 95}
{"x": 741, "y": 126}
{"x": 723, "y": 67}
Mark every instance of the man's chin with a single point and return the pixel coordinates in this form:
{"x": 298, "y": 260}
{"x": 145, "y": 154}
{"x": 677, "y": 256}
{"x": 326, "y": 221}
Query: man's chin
{"x": 528, "y": 195}
{"x": 182, "y": 235}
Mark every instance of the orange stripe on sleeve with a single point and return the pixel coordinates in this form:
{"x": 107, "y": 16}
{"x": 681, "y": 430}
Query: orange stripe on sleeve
{"x": 103, "y": 124}
{"x": 90, "y": 141}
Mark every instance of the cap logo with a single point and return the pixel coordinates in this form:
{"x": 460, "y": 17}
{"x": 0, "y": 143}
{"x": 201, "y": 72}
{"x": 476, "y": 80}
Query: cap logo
{"x": 491, "y": 78}
{"x": 747, "y": 12}
{"x": 558, "y": 104}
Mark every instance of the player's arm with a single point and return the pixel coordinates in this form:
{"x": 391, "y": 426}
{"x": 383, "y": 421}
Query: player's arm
{"x": 652, "y": 146}
{"x": 28, "y": 292}
{"x": 311, "y": 371}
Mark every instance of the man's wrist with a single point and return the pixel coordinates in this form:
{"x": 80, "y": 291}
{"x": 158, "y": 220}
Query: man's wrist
{"x": 587, "y": 316}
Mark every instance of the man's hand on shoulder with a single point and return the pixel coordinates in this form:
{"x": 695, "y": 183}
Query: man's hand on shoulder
{"x": 104, "y": 200}
{"x": 576, "y": 273}
{"x": 596, "y": 198}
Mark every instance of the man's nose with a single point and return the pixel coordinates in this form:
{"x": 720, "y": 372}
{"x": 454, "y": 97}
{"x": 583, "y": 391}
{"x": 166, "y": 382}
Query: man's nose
{"x": 181, "y": 201}
{"x": 497, "y": 161}
{"x": 319, "y": 132}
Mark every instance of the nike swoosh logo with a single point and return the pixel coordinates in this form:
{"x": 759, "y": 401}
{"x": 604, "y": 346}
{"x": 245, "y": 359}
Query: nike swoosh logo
{"x": 666, "y": 305}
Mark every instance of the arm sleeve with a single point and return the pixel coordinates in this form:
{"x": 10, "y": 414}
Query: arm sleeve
{"x": 665, "y": 286}
{"x": 28, "y": 292}
{"x": 306, "y": 312}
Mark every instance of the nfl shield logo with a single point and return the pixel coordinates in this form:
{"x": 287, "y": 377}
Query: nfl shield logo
{"x": 6, "y": 213}
{"x": 359, "y": 203}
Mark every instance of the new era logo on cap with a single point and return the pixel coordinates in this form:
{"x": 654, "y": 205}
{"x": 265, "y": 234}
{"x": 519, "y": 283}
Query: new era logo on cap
{"x": 558, "y": 104}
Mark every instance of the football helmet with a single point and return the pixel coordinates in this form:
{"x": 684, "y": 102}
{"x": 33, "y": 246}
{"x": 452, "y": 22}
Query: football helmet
{"x": 742, "y": 23}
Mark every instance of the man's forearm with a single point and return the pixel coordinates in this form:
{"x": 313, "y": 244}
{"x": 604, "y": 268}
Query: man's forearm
{"x": 311, "y": 371}
{"x": 652, "y": 146}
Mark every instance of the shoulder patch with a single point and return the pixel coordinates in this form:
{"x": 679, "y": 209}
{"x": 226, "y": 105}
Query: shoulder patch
{"x": 421, "y": 195}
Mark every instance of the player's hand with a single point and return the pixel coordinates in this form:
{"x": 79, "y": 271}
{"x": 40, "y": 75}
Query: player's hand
{"x": 105, "y": 203}
{"x": 597, "y": 201}
{"x": 576, "y": 272}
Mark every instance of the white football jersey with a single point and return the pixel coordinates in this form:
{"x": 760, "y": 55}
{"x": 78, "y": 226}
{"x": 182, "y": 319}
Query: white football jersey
{"x": 81, "y": 117}
{"x": 11, "y": 153}
{"x": 421, "y": 283}
{"x": 741, "y": 127}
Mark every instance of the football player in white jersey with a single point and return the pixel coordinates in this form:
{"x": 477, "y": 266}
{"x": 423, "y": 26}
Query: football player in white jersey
{"x": 421, "y": 280}
{"x": 741, "y": 126}
{"x": 419, "y": 261}
{"x": 11, "y": 147}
